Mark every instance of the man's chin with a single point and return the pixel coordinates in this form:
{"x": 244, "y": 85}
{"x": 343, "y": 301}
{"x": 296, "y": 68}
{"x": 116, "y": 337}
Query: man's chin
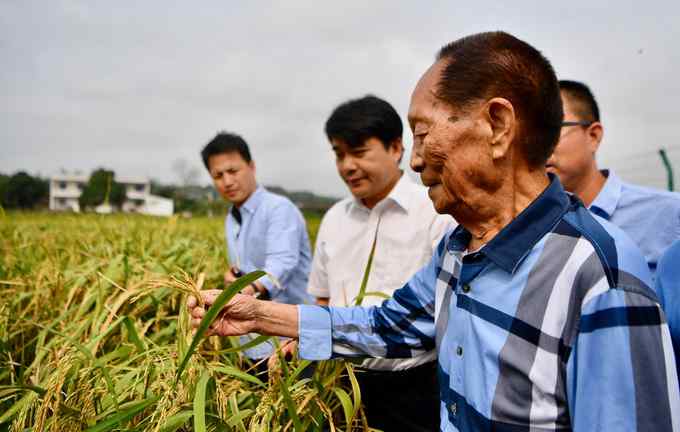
{"x": 359, "y": 192}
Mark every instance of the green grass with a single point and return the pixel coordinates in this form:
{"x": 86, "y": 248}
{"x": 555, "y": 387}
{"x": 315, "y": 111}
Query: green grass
{"x": 93, "y": 331}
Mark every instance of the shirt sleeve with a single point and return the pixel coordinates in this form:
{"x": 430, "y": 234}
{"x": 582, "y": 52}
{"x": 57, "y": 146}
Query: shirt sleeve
{"x": 621, "y": 373}
{"x": 402, "y": 327}
{"x": 668, "y": 290}
{"x": 282, "y": 249}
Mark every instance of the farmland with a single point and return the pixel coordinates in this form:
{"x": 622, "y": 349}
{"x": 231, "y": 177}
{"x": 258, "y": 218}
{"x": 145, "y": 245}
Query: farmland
{"x": 93, "y": 330}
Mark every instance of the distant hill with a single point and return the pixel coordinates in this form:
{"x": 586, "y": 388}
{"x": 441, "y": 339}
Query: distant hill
{"x": 199, "y": 199}
{"x": 306, "y": 200}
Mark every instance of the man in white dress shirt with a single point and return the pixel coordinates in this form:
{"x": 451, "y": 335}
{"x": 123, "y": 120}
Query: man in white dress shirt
{"x": 388, "y": 208}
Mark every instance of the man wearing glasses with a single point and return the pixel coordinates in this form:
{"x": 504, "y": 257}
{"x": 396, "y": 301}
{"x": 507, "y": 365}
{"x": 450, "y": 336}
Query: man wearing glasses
{"x": 651, "y": 217}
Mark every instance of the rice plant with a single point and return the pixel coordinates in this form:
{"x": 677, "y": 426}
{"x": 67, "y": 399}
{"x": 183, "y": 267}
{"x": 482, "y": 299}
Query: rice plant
{"x": 94, "y": 335}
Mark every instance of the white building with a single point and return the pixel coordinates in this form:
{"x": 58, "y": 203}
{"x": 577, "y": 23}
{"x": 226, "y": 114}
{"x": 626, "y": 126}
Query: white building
{"x": 137, "y": 191}
{"x": 65, "y": 190}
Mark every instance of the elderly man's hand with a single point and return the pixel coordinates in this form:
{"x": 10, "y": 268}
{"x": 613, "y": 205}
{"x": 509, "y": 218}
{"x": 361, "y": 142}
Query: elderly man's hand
{"x": 236, "y": 318}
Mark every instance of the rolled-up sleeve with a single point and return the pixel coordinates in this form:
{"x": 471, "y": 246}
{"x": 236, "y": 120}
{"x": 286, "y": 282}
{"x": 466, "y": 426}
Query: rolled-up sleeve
{"x": 400, "y": 327}
{"x": 315, "y": 332}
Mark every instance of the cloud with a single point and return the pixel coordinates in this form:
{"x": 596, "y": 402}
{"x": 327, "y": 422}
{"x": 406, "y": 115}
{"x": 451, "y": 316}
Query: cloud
{"x": 135, "y": 86}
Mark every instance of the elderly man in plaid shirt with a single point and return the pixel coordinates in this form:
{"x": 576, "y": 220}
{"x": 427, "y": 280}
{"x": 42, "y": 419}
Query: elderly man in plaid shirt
{"x": 541, "y": 313}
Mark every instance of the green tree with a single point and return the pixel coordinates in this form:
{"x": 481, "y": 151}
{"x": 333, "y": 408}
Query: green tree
{"x": 4, "y": 180}
{"x": 23, "y": 191}
{"x": 101, "y": 185}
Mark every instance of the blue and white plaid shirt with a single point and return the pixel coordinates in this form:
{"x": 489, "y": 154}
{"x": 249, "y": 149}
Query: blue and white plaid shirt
{"x": 549, "y": 327}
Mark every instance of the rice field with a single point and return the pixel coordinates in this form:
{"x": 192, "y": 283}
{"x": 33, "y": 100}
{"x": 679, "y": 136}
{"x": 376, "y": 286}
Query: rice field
{"x": 93, "y": 334}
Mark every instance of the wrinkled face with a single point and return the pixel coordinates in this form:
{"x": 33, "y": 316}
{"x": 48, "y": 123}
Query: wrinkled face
{"x": 368, "y": 169}
{"x": 450, "y": 148}
{"x": 233, "y": 177}
{"x": 574, "y": 154}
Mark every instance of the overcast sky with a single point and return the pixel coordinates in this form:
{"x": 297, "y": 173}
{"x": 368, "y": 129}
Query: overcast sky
{"x": 135, "y": 86}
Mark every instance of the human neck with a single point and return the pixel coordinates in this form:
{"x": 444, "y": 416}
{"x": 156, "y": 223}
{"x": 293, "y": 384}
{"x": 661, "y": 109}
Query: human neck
{"x": 372, "y": 201}
{"x": 590, "y": 186}
{"x": 491, "y": 211}
{"x": 240, "y": 204}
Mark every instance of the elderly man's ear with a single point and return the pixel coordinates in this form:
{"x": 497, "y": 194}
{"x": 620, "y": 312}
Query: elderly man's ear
{"x": 500, "y": 115}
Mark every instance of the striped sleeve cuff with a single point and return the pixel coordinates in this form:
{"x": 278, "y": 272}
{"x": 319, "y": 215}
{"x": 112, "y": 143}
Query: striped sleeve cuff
{"x": 315, "y": 333}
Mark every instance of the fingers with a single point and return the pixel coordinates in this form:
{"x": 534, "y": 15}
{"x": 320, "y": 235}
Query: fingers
{"x": 248, "y": 290}
{"x": 197, "y": 312}
{"x": 209, "y": 296}
{"x": 191, "y": 302}
{"x": 213, "y": 329}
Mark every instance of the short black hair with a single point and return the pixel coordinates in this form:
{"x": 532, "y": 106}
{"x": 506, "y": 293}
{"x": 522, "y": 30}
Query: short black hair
{"x": 357, "y": 120}
{"x": 585, "y": 105}
{"x": 497, "y": 64}
{"x": 225, "y": 142}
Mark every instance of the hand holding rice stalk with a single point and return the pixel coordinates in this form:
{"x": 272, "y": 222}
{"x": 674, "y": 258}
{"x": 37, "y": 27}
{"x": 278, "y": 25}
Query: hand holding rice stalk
{"x": 217, "y": 304}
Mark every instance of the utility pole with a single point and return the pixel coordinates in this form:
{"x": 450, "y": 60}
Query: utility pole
{"x": 669, "y": 168}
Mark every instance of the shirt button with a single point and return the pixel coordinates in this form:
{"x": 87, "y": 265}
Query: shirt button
{"x": 454, "y": 409}
{"x": 459, "y": 351}
{"x": 466, "y": 288}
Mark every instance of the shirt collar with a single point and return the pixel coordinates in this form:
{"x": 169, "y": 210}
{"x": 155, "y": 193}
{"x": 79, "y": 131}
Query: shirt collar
{"x": 253, "y": 201}
{"x": 400, "y": 194}
{"x": 516, "y": 240}
{"x": 608, "y": 198}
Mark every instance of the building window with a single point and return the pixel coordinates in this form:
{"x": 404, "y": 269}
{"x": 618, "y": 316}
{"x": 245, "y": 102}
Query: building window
{"x": 139, "y": 188}
{"x": 62, "y": 185}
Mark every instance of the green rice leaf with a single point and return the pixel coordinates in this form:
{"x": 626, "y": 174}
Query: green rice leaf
{"x": 199, "y": 402}
{"x": 176, "y": 421}
{"x": 212, "y": 313}
{"x": 238, "y": 373}
{"x": 291, "y": 409}
{"x": 14, "y": 409}
{"x": 248, "y": 345}
{"x": 238, "y": 419}
{"x": 132, "y": 334}
{"x": 376, "y": 294}
{"x": 367, "y": 270}
{"x": 346, "y": 403}
{"x": 356, "y": 390}
{"x": 130, "y": 410}
{"x": 236, "y": 413}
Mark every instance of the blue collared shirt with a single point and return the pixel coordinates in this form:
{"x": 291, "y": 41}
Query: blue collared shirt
{"x": 272, "y": 237}
{"x": 651, "y": 217}
{"x": 668, "y": 289}
{"x": 551, "y": 326}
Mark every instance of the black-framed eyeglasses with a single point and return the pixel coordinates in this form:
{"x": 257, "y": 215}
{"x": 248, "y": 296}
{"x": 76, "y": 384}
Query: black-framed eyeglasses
{"x": 584, "y": 123}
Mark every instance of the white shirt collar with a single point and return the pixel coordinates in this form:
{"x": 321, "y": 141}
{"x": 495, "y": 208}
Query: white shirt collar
{"x": 401, "y": 194}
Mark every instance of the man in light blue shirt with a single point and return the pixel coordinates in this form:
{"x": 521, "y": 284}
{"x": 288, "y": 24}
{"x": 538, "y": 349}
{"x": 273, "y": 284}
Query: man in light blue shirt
{"x": 651, "y": 217}
{"x": 541, "y": 313}
{"x": 668, "y": 289}
{"x": 263, "y": 230}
